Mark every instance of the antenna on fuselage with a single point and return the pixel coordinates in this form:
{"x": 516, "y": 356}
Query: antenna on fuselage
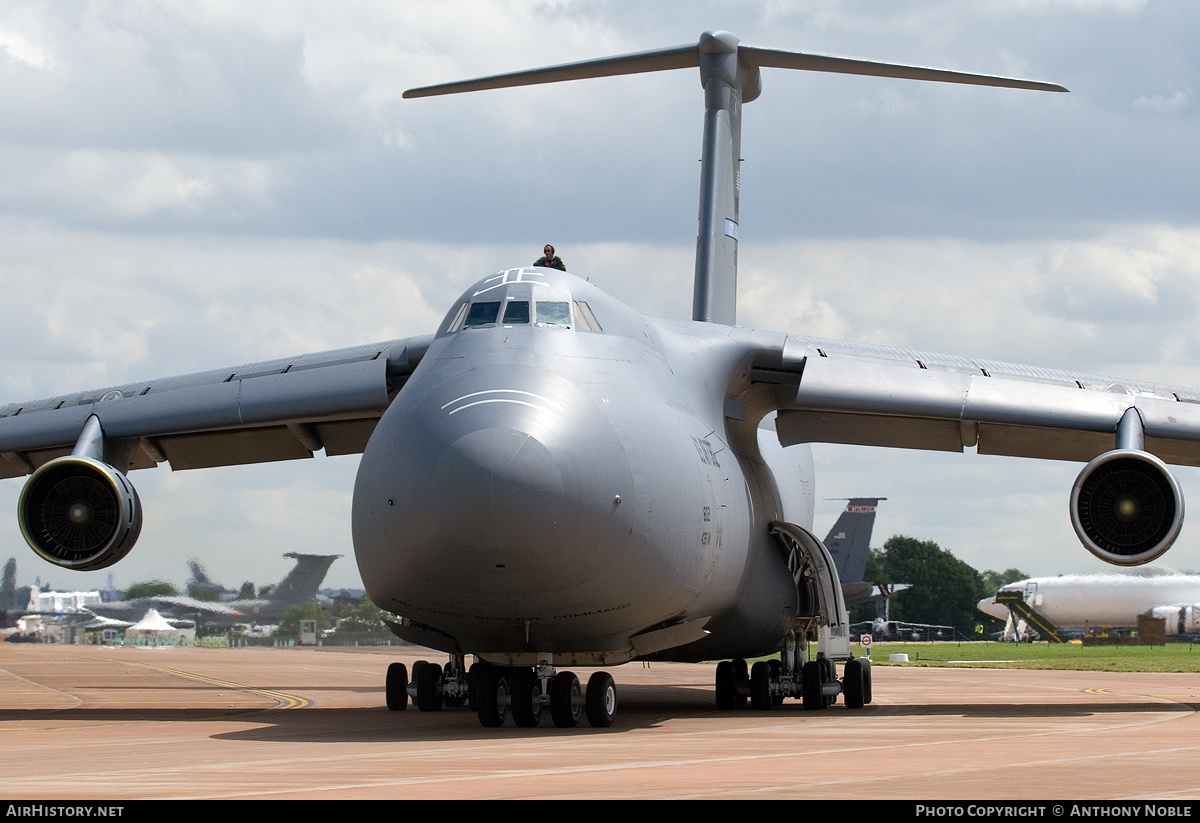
{"x": 729, "y": 73}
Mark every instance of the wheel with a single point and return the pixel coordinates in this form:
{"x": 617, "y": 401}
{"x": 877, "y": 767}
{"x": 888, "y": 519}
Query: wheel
{"x": 741, "y": 675}
{"x": 760, "y": 686}
{"x": 526, "y": 698}
{"x": 726, "y": 686}
{"x": 601, "y": 700}
{"x": 472, "y": 679}
{"x": 397, "y": 687}
{"x": 429, "y": 687}
{"x": 492, "y": 697}
{"x": 416, "y": 668}
{"x": 828, "y": 675}
{"x": 452, "y": 672}
{"x": 810, "y": 685}
{"x": 852, "y": 684}
{"x": 566, "y": 707}
{"x": 865, "y": 663}
{"x": 776, "y": 676}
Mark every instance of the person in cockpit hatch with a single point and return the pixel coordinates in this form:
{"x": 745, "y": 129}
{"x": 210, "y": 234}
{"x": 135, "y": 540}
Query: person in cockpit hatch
{"x": 549, "y": 260}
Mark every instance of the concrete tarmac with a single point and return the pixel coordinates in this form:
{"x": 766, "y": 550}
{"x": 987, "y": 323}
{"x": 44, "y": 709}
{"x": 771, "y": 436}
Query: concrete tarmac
{"x": 81, "y": 722}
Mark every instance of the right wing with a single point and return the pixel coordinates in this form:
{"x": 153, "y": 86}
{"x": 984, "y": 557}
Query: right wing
{"x": 863, "y": 394}
{"x": 1125, "y": 506}
{"x": 273, "y": 410}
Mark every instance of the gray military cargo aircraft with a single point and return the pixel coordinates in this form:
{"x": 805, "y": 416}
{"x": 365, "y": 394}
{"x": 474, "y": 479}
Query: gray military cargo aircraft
{"x": 553, "y": 479}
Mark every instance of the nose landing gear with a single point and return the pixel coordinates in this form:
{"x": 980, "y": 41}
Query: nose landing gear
{"x": 494, "y": 692}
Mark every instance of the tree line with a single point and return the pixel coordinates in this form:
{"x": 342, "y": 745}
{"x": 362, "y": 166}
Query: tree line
{"x": 944, "y": 589}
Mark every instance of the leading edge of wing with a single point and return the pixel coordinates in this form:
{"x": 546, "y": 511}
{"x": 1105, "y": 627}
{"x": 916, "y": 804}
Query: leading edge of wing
{"x": 270, "y": 410}
{"x": 862, "y": 394}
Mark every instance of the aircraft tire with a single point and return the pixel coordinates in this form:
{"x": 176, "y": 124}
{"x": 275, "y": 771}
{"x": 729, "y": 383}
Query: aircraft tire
{"x": 429, "y": 681}
{"x": 526, "y": 698}
{"x": 760, "y": 686}
{"x": 852, "y": 685}
{"x": 865, "y": 663}
{"x": 810, "y": 685}
{"x": 396, "y": 688}
{"x": 601, "y": 700}
{"x": 472, "y": 683}
{"x": 492, "y": 697}
{"x": 565, "y": 705}
{"x": 741, "y": 675}
{"x": 416, "y": 667}
{"x": 726, "y": 686}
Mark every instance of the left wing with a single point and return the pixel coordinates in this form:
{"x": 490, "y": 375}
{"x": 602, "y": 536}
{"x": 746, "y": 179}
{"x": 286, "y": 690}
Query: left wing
{"x": 1125, "y": 506}
{"x": 80, "y": 511}
{"x": 273, "y": 410}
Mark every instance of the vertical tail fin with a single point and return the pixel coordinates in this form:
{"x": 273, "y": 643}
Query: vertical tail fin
{"x": 729, "y": 74}
{"x": 303, "y": 581}
{"x": 849, "y": 541}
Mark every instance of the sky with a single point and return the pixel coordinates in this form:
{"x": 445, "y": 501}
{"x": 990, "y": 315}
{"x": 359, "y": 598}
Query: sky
{"x": 191, "y": 185}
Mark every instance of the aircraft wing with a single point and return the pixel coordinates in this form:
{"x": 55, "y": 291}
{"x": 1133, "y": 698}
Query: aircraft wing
{"x": 830, "y": 391}
{"x": 273, "y": 410}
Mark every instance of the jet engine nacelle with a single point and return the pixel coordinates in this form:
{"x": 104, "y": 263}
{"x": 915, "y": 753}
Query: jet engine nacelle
{"x": 80, "y": 513}
{"x": 1126, "y": 507}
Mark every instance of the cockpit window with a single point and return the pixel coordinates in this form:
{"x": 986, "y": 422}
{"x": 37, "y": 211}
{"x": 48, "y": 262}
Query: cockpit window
{"x": 510, "y": 311}
{"x": 481, "y": 314}
{"x": 553, "y": 314}
{"x": 516, "y": 312}
{"x": 587, "y": 321}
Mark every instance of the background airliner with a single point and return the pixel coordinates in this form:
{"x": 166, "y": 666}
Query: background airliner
{"x": 1091, "y": 601}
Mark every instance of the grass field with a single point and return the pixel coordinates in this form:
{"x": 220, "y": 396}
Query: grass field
{"x": 1173, "y": 657}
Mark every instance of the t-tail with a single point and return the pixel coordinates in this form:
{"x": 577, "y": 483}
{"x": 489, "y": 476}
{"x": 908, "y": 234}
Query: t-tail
{"x": 729, "y": 73}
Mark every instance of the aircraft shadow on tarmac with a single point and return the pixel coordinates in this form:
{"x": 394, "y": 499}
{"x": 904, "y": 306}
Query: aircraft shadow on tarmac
{"x": 642, "y": 707}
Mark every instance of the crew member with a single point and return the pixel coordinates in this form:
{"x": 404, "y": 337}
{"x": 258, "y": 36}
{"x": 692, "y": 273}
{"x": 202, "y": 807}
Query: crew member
{"x": 549, "y": 261}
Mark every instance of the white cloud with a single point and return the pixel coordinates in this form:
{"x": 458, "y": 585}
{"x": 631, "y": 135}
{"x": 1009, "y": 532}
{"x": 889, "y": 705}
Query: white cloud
{"x": 1171, "y": 101}
{"x": 18, "y": 49}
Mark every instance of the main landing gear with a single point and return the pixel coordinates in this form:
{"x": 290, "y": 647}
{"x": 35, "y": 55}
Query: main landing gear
{"x": 768, "y": 682}
{"x": 495, "y": 692}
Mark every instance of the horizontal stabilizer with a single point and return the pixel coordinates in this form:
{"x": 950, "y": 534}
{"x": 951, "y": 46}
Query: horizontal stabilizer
{"x": 679, "y": 57}
{"x": 688, "y": 56}
{"x": 774, "y": 59}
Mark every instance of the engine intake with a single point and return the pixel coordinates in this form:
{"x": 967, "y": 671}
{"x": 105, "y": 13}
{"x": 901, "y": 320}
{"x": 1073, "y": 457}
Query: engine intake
{"x": 1126, "y": 507}
{"x": 79, "y": 513}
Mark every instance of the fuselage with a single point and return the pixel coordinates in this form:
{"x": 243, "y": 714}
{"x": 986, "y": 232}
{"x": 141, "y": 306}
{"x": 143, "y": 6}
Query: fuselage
{"x": 557, "y": 477}
{"x": 1087, "y": 601}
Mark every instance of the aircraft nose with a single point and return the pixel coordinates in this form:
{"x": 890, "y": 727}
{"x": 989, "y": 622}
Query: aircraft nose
{"x": 496, "y": 487}
{"x": 470, "y": 493}
{"x": 990, "y": 607}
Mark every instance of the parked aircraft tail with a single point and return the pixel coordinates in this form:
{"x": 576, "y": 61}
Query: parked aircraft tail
{"x": 302, "y": 582}
{"x": 849, "y": 541}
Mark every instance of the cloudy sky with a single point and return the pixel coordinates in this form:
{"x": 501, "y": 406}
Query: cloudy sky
{"x": 190, "y": 185}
